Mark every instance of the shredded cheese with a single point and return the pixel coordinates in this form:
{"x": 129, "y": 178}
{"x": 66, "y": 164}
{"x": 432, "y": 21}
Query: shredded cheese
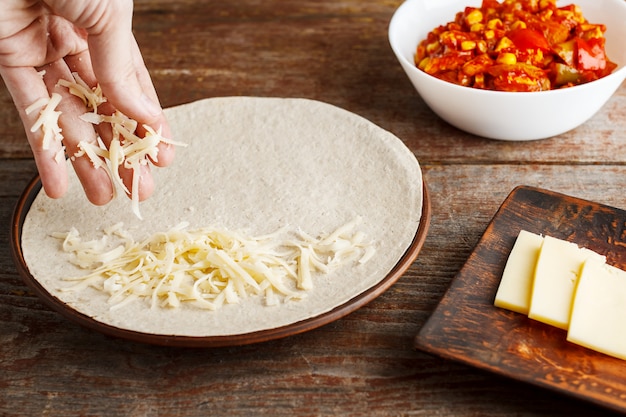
{"x": 48, "y": 120}
{"x": 127, "y": 149}
{"x": 59, "y": 157}
{"x": 209, "y": 267}
{"x": 91, "y": 97}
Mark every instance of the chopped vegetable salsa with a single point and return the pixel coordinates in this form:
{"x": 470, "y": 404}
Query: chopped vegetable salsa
{"x": 516, "y": 45}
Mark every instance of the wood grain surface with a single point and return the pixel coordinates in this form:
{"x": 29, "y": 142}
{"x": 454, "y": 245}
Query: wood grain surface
{"x": 364, "y": 364}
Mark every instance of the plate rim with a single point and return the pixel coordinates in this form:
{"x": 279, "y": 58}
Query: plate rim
{"x": 359, "y": 300}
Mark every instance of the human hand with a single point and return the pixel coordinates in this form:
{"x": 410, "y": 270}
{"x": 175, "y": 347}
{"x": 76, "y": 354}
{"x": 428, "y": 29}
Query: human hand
{"x": 95, "y": 40}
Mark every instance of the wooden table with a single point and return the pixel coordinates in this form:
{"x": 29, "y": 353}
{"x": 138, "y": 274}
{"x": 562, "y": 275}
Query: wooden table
{"x": 364, "y": 364}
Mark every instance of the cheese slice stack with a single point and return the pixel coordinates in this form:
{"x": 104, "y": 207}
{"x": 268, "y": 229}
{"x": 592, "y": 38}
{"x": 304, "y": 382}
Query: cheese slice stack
{"x": 569, "y": 287}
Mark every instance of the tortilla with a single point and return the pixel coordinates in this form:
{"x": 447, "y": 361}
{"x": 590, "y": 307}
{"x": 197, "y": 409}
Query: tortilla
{"x": 251, "y": 164}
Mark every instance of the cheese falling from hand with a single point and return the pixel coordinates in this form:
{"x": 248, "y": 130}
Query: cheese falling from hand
{"x": 209, "y": 267}
{"x": 126, "y": 150}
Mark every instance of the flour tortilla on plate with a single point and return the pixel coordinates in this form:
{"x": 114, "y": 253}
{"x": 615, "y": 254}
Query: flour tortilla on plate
{"x": 253, "y": 165}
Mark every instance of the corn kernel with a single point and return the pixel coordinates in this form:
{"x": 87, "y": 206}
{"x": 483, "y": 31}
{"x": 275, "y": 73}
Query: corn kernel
{"x": 479, "y": 80}
{"x": 494, "y": 24}
{"x": 481, "y": 46}
{"x": 579, "y": 14}
{"x": 518, "y": 25}
{"x": 468, "y": 45}
{"x": 504, "y": 43}
{"x": 584, "y": 27}
{"x": 424, "y": 63}
{"x": 533, "y": 5}
{"x": 475, "y": 16}
{"x": 592, "y": 33}
{"x": 489, "y": 34}
{"x": 432, "y": 47}
{"x": 476, "y": 27}
{"x": 565, "y": 14}
{"x": 507, "y": 58}
{"x": 448, "y": 38}
{"x": 598, "y": 32}
{"x": 544, "y": 4}
{"x": 508, "y": 17}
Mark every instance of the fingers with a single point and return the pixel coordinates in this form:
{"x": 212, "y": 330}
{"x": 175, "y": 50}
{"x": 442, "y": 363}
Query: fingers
{"x": 114, "y": 61}
{"x": 82, "y": 65}
{"x": 117, "y": 62}
{"x": 50, "y": 159}
{"x": 126, "y": 83}
{"x": 53, "y": 174}
{"x": 166, "y": 152}
{"x": 119, "y": 73}
{"x": 95, "y": 181}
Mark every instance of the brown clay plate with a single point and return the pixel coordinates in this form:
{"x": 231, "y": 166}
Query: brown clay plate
{"x": 338, "y": 312}
{"x": 466, "y": 327}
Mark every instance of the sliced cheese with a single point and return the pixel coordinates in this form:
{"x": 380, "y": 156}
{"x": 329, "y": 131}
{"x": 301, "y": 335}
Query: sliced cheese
{"x": 517, "y": 279}
{"x": 572, "y": 288}
{"x": 556, "y": 274}
{"x": 599, "y": 310}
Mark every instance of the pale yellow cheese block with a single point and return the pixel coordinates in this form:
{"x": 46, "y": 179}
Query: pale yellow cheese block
{"x": 515, "y": 287}
{"x": 556, "y": 274}
{"x": 599, "y": 309}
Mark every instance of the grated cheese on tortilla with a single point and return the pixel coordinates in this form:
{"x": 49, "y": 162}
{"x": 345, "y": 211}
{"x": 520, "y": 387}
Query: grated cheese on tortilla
{"x": 209, "y": 267}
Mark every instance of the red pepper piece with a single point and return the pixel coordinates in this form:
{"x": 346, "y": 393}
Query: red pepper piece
{"x": 590, "y": 54}
{"x": 528, "y": 39}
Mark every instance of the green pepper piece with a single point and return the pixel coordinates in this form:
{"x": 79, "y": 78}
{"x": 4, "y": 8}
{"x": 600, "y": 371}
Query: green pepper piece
{"x": 566, "y": 51}
{"x": 565, "y": 75}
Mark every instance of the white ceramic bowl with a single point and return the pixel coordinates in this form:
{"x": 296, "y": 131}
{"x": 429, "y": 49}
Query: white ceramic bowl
{"x": 508, "y": 115}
